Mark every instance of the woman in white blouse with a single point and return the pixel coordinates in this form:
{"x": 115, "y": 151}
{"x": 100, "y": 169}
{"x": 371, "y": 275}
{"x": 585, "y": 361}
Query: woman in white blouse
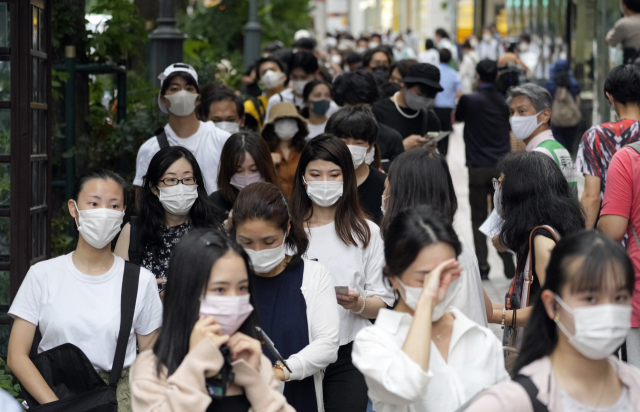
{"x": 425, "y": 355}
{"x": 325, "y": 202}
{"x": 294, "y": 296}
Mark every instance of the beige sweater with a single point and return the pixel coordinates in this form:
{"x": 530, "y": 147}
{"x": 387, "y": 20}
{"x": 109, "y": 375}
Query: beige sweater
{"x": 185, "y": 389}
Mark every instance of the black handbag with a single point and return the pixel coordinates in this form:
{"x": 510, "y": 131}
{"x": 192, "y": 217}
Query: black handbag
{"x": 70, "y": 374}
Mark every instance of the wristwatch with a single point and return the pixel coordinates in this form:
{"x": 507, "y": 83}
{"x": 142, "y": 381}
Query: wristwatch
{"x": 287, "y": 375}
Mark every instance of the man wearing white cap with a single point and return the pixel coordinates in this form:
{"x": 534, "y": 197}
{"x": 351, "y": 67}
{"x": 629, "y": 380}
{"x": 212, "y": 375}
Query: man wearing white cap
{"x": 178, "y": 98}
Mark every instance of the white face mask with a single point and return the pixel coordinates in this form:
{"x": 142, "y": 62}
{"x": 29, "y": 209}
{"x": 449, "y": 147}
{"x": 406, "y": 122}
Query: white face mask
{"x": 336, "y": 59}
{"x": 412, "y": 294}
{"x": 399, "y": 45}
{"x": 286, "y": 129}
{"x": 230, "y": 311}
{"x": 264, "y": 261}
{"x": 358, "y": 154}
{"x": 298, "y": 86}
{"x": 599, "y": 329}
{"x": 183, "y": 103}
{"x": 98, "y": 227}
{"x": 368, "y": 159}
{"x": 361, "y": 50}
{"x": 229, "y": 127}
{"x": 487, "y": 37}
{"x": 178, "y": 199}
{"x": 523, "y": 47}
{"x": 524, "y": 126}
{"x": 373, "y": 44}
{"x": 272, "y": 79}
{"x": 324, "y": 193}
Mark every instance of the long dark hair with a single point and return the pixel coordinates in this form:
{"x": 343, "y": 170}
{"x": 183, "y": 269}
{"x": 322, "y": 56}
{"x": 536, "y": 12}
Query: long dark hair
{"x": 151, "y": 211}
{"x": 350, "y": 222}
{"x": 587, "y": 261}
{"x": 420, "y": 177}
{"x": 264, "y": 201}
{"x": 412, "y": 230}
{"x": 534, "y": 193}
{"x": 308, "y": 89}
{"x": 187, "y": 277}
{"x": 233, "y": 154}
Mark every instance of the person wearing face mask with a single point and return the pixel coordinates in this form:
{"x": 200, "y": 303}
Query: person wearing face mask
{"x": 530, "y": 110}
{"x": 358, "y": 129}
{"x": 245, "y": 159}
{"x": 578, "y": 320}
{"x": 325, "y": 203}
{"x": 285, "y": 134}
{"x": 178, "y": 97}
{"x": 425, "y": 354}
{"x": 409, "y": 111}
{"x": 430, "y": 54}
{"x": 172, "y": 202}
{"x": 489, "y": 47}
{"x": 271, "y": 76}
{"x": 76, "y": 299}
{"x": 223, "y": 107}
{"x": 207, "y": 357}
{"x": 401, "y": 50}
{"x": 294, "y": 295}
{"x": 317, "y": 98}
{"x": 443, "y": 41}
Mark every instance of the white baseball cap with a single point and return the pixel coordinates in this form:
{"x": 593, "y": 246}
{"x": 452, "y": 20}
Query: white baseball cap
{"x": 175, "y": 67}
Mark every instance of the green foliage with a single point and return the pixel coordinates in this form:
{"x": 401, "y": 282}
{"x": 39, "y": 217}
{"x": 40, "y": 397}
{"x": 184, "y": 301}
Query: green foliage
{"x": 64, "y": 25}
{"x": 8, "y": 382}
{"x": 61, "y": 241}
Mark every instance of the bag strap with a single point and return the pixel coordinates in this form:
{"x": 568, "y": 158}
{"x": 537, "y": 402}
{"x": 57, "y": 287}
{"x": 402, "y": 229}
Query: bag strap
{"x": 635, "y": 146}
{"x": 134, "y": 240}
{"x": 532, "y": 391}
{"x": 527, "y": 266}
{"x": 161, "y": 135}
{"x": 130, "y": 281}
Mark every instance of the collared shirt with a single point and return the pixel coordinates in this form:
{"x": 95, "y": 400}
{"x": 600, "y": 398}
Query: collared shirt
{"x": 397, "y": 383}
{"x": 547, "y": 144}
{"x": 532, "y": 146}
{"x": 450, "y": 82}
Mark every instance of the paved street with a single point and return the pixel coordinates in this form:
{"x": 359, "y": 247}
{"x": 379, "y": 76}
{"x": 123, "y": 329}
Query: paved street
{"x": 497, "y": 284}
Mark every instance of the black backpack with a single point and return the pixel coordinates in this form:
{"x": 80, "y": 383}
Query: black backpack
{"x": 135, "y": 254}
{"x": 70, "y": 374}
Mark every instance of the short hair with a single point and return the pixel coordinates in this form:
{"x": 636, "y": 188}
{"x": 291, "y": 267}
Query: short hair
{"x": 305, "y": 43}
{"x": 633, "y": 5}
{"x": 445, "y": 55}
{"x": 467, "y": 45}
{"x": 356, "y": 121}
{"x": 539, "y": 96}
{"x": 354, "y": 88}
{"x": 375, "y": 35}
{"x": 368, "y": 55}
{"x": 263, "y": 60}
{"x": 525, "y": 37}
{"x": 185, "y": 76}
{"x": 403, "y": 66}
{"x": 304, "y": 60}
{"x": 487, "y": 70}
{"x": 429, "y": 44}
{"x": 623, "y": 84}
{"x": 353, "y": 58}
{"x": 442, "y": 33}
{"x": 218, "y": 92}
{"x": 389, "y": 89}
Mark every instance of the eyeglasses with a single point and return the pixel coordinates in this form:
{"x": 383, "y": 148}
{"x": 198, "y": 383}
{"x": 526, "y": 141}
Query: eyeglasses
{"x": 496, "y": 183}
{"x": 172, "y": 181}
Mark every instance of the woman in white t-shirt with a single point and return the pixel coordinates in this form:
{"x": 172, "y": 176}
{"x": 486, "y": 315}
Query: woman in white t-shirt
{"x": 294, "y": 296}
{"x": 325, "y": 201}
{"x": 317, "y": 99}
{"x": 425, "y": 355}
{"x": 75, "y": 298}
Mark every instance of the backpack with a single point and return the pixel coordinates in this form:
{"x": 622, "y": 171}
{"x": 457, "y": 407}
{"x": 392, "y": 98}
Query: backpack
{"x": 135, "y": 254}
{"x": 564, "y": 111}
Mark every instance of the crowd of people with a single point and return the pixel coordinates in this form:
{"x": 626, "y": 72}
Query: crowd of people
{"x": 292, "y": 244}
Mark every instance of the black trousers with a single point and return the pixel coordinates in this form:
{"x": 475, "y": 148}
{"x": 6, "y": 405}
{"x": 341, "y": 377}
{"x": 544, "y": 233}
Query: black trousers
{"x": 481, "y": 186}
{"x": 444, "y": 114}
{"x": 343, "y": 386}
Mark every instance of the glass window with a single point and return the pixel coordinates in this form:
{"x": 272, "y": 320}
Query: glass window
{"x": 5, "y": 185}
{"x": 38, "y": 183}
{"x": 5, "y": 20}
{"x": 35, "y": 25}
{"x": 38, "y": 235}
{"x": 5, "y": 244}
{"x": 38, "y": 131}
{"x": 5, "y": 131}
{"x": 5, "y": 78}
{"x": 4, "y": 292}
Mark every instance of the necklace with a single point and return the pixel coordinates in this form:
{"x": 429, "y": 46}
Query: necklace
{"x": 408, "y": 116}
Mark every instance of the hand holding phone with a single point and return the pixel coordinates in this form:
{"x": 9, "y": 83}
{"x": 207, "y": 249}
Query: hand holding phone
{"x": 342, "y": 290}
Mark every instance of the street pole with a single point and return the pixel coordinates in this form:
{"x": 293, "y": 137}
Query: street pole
{"x": 166, "y": 42}
{"x": 252, "y": 36}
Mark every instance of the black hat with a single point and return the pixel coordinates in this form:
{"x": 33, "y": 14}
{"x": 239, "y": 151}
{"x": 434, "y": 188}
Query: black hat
{"x": 424, "y": 73}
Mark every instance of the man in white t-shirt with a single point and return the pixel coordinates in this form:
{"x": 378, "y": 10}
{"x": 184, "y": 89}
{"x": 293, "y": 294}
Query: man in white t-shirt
{"x": 178, "y": 95}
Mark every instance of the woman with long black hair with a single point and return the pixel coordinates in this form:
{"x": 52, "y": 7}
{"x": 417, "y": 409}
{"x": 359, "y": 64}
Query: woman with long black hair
{"x": 294, "y": 295}
{"x": 206, "y": 357}
{"x": 172, "y": 201}
{"x": 325, "y": 203}
{"x": 578, "y": 320}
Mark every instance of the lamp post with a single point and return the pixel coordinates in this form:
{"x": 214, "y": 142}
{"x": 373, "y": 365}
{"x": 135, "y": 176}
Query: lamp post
{"x": 166, "y": 42}
{"x": 252, "y": 36}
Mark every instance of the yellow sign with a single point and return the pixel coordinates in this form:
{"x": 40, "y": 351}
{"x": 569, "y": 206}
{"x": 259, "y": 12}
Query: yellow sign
{"x": 464, "y": 20}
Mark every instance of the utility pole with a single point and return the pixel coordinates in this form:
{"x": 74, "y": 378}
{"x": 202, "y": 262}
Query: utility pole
{"x": 252, "y": 36}
{"x": 166, "y": 42}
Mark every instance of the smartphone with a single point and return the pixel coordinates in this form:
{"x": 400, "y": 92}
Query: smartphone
{"x": 437, "y": 136}
{"x": 342, "y": 290}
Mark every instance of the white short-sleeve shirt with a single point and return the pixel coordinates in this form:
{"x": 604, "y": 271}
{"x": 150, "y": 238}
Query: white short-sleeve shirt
{"x": 71, "y": 307}
{"x": 358, "y": 268}
{"x": 206, "y": 145}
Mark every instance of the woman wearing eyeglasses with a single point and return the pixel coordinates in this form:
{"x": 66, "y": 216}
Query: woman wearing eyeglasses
{"x": 172, "y": 201}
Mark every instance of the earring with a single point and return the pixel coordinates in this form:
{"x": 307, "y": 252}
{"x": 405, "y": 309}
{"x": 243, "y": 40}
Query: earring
{"x": 556, "y": 319}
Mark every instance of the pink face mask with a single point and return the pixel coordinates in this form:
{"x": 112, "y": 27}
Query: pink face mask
{"x": 229, "y": 311}
{"x": 241, "y": 181}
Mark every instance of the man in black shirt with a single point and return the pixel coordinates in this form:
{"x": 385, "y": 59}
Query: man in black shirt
{"x": 357, "y": 128}
{"x": 486, "y": 138}
{"x": 408, "y": 111}
{"x": 359, "y": 88}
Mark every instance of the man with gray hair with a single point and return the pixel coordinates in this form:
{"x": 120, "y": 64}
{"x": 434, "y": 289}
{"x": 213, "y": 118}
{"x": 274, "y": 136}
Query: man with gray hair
{"x": 530, "y": 115}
